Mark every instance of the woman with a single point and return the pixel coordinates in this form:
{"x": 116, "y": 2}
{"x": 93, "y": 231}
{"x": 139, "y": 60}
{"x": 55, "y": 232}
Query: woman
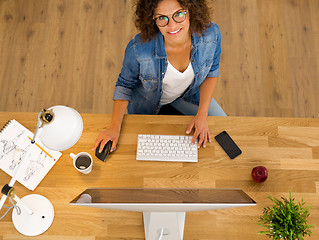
{"x": 174, "y": 60}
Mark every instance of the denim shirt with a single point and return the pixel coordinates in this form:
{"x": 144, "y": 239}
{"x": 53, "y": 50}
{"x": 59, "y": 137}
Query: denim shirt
{"x": 145, "y": 64}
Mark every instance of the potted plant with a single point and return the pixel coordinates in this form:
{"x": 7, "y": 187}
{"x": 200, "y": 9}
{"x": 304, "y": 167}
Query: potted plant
{"x": 285, "y": 219}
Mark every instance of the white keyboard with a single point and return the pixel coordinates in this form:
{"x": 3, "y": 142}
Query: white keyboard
{"x": 166, "y": 148}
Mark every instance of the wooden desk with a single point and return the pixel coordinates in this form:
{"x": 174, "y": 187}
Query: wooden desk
{"x": 289, "y": 148}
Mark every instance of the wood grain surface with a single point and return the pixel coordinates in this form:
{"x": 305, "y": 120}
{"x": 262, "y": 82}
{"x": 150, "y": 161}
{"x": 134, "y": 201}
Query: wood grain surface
{"x": 70, "y": 52}
{"x": 288, "y": 147}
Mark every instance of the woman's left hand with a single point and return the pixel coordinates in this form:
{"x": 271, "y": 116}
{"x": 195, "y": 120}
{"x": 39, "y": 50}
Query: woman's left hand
{"x": 200, "y": 125}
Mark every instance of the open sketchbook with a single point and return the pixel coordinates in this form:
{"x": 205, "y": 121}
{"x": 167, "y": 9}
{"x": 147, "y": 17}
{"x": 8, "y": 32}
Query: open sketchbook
{"x": 15, "y": 140}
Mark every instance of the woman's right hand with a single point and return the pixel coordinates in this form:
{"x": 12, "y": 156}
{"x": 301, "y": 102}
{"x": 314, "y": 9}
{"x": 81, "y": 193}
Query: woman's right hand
{"x": 109, "y": 134}
{"x": 113, "y": 132}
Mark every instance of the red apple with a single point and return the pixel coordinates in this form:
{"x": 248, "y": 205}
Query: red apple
{"x": 259, "y": 174}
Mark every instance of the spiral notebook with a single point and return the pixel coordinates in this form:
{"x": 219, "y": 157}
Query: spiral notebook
{"x": 15, "y": 140}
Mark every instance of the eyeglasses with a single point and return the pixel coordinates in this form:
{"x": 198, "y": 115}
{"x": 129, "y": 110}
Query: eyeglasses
{"x": 178, "y": 16}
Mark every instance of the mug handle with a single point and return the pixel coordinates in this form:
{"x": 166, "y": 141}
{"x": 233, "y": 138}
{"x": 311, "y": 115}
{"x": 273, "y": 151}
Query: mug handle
{"x": 72, "y": 155}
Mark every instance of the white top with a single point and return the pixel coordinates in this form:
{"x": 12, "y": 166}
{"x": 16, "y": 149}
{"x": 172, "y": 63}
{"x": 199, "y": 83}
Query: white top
{"x": 175, "y": 83}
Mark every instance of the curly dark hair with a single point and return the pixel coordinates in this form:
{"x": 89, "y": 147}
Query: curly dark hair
{"x": 199, "y": 15}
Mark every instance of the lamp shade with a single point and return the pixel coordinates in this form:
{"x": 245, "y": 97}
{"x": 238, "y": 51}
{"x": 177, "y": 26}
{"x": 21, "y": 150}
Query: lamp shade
{"x": 64, "y": 130}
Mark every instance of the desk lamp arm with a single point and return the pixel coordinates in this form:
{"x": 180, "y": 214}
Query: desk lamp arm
{"x": 44, "y": 117}
{"x": 5, "y": 191}
{"x": 11, "y": 193}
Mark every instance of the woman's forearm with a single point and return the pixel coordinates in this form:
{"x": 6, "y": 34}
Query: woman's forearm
{"x": 119, "y": 109}
{"x": 207, "y": 90}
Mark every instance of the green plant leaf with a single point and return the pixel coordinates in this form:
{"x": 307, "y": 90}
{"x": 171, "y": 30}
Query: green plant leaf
{"x": 285, "y": 219}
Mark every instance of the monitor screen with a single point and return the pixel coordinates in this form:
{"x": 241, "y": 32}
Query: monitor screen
{"x": 166, "y": 199}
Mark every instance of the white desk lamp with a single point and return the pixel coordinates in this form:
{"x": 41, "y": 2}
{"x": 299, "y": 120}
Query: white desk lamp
{"x": 59, "y": 128}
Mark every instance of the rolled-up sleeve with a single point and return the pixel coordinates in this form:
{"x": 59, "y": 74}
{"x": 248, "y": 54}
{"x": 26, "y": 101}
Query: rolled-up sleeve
{"x": 214, "y": 71}
{"x": 129, "y": 77}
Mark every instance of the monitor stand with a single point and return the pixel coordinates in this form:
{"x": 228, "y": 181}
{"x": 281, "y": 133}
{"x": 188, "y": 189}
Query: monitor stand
{"x": 163, "y": 210}
{"x": 171, "y": 223}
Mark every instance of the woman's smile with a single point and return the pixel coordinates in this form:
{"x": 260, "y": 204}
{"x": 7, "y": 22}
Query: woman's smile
{"x": 175, "y": 32}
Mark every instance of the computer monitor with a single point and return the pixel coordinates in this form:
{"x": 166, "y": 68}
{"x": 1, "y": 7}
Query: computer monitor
{"x": 163, "y": 210}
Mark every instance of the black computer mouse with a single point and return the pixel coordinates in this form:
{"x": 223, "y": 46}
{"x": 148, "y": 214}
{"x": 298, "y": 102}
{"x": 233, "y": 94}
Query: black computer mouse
{"x": 105, "y": 152}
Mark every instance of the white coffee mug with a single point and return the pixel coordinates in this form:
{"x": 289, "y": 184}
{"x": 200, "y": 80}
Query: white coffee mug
{"x": 82, "y": 161}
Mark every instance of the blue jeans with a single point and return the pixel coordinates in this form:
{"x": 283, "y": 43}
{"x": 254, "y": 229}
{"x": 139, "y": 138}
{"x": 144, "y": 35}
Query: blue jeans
{"x": 188, "y": 108}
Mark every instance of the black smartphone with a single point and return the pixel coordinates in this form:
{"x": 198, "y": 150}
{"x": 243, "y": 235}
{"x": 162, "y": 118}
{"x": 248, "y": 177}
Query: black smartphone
{"x": 228, "y": 144}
